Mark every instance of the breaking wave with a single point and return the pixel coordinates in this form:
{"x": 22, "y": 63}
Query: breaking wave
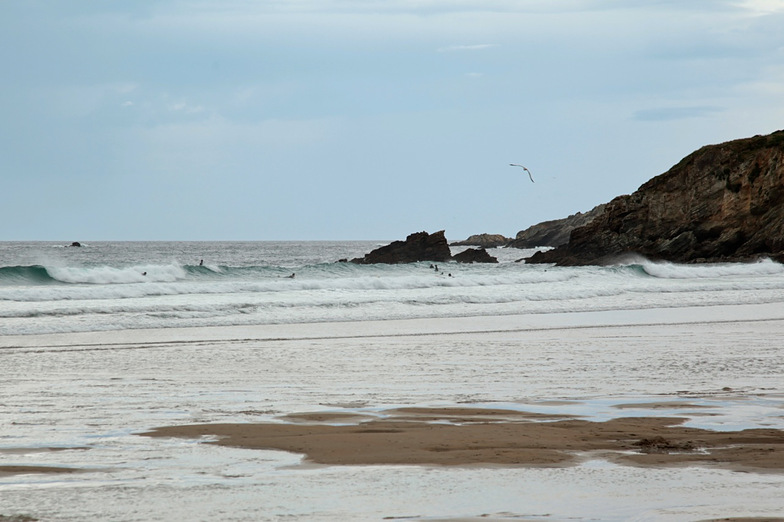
{"x": 667, "y": 270}
{"x": 59, "y": 298}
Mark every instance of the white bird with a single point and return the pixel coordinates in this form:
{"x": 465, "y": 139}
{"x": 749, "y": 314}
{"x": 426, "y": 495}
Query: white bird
{"x": 525, "y": 169}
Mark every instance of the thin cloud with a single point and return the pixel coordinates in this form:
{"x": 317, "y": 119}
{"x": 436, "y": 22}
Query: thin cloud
{"x": 186, "y": 108}
{"x": 676, "y": 113}
{"x": 457, "y": 48}
{"x": 763, "y": 6}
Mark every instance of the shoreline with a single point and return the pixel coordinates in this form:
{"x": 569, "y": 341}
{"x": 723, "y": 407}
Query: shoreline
{"x": 472, "y": 324}
{"x": 463, "y": 436}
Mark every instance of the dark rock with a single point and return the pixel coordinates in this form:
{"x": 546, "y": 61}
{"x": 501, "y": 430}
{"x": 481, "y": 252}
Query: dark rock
{"x": 474, "y": 255}
{"x": 553, "y": 233}
{"x": 484, "y": 241}
{"x": 721, "y": 203}
{"x": 659, "y": 444}
{"x": 420, "y": 246}
{"x": 76, "y": 244}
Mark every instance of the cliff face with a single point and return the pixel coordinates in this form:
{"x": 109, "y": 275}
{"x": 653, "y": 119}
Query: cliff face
{"x": 721, "y": 203}
{"x": 553, "y": 233}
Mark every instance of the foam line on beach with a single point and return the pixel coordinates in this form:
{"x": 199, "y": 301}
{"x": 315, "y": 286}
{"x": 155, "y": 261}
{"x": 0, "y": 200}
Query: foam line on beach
{"x": 751, "y": 313}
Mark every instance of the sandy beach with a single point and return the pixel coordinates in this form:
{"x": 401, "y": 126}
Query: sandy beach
{"x": 25, "y": 470}
{"x": 466, "y": 436}
{"x": 657, "y": 415}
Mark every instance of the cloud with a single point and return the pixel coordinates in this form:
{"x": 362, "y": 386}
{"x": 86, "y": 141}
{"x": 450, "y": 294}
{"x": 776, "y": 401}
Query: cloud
{"x": 455, "y": 48}
{"x": 676, "y": 113}
{"x": 762, "y": 6}
{"x": 217, "y": 140}
{"x": 185, "y": 108}
{"x": 261, "y": 92}
{"x": 72, "y": 100}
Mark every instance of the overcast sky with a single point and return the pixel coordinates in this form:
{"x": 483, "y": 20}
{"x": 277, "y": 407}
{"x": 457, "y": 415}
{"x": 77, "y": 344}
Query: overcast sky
{"x": 362, "y": 119}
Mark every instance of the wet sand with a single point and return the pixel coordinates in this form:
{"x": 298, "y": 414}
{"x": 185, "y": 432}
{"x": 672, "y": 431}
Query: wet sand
{"x": 21, "y": 470}
{"x": 600, "y": 435}
{"x": 475, "y": 436}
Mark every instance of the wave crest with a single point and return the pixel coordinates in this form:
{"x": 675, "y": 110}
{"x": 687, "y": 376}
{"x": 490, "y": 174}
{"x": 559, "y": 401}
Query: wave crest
{"x": 666, "y": 270}
{"x": 103, "y": 275}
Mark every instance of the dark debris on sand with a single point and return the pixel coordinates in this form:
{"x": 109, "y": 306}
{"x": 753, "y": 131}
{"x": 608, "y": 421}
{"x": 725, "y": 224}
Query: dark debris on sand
{"x": 661, "y": 445}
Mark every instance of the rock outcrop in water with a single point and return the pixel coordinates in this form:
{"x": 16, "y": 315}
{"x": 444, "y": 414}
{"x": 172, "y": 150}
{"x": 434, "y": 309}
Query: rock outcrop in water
{"x": 553, "y": 233}
{"x": 474, "y": 255}
{"x": 484, "y": 241}
{"x": 420, "y": 246}
{"x": 721, "y": 203}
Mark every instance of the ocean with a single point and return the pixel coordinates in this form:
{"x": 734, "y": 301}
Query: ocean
{"x": 52, "y": 288}
{"x": 103, "y": 342}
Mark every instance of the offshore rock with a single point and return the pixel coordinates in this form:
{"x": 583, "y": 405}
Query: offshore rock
{"x": 474, "y": 255}
{"x": 721, "y": 203}
{"x": 554, "y": 233}
{"x": 484, "y": 241}
{"x": 420, "y": 246}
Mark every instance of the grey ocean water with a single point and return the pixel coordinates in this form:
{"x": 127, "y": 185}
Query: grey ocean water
{"x": 51, "y": 288}
{"x": 93, "y": 352}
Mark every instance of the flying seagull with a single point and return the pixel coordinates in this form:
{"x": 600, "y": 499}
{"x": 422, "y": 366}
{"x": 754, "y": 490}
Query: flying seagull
{"x": 525, "y": 169}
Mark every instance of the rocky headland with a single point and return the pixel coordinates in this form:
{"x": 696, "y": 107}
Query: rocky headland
{"x": 553, "y": 233}
{"x": 723, "y": 202}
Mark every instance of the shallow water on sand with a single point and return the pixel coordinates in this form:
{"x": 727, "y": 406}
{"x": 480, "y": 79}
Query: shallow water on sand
{"x": 89, "y": 396}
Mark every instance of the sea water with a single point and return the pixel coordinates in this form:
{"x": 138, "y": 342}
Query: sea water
{"x": 51, "y": 288}
{"x": 102, "y": 342}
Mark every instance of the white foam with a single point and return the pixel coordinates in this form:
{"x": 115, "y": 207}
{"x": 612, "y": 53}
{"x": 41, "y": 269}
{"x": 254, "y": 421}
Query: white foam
{"x": 106, "y": 275}
{"x": 170, "y": 295}
{"x": 709, "y": 270}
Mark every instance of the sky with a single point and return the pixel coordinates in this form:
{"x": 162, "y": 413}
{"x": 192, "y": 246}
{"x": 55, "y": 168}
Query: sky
{"x": 362, "y": 119}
